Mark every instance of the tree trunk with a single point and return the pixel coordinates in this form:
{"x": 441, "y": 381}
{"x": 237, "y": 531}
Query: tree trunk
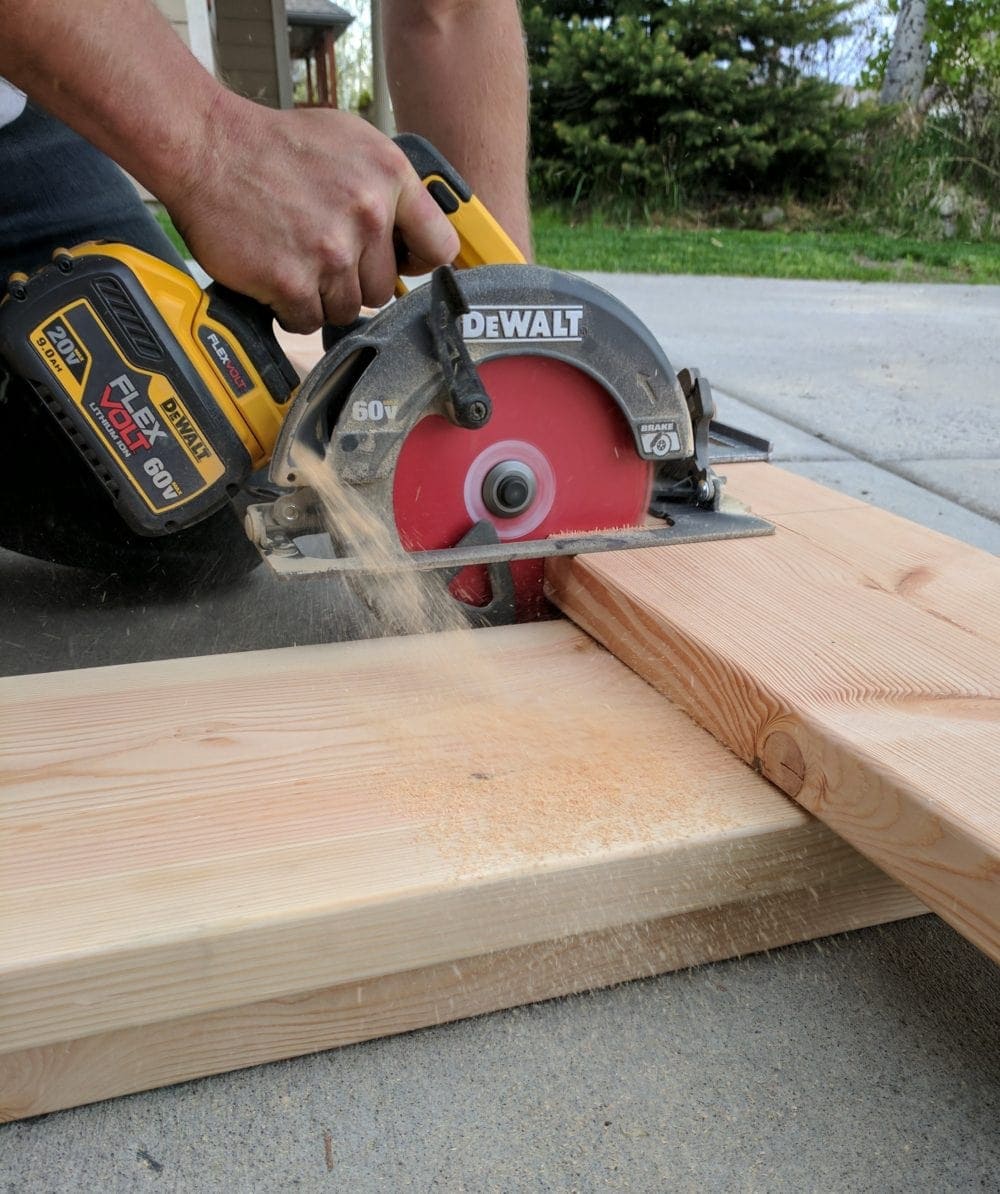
{"x": 908, "y": 58}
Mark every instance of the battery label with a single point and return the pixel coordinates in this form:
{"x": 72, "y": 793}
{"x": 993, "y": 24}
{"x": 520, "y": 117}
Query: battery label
{"x": 62, "y": 351}
{"x": 152, "y": 436}
{"x": 226, "y": 360}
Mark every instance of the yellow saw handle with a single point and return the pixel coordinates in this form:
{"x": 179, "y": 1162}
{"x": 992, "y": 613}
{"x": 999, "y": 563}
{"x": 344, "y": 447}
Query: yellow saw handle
{"x": 481, "y": 239}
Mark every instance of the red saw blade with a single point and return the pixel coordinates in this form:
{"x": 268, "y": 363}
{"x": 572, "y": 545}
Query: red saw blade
{"x": 570, "y": 433}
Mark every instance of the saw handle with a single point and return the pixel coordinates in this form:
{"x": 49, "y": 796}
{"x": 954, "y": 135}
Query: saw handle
{"x": 482, "y": 240}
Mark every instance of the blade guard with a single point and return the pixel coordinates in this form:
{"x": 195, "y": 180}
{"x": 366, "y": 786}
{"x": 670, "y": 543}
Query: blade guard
{"x": 388, "y": 371}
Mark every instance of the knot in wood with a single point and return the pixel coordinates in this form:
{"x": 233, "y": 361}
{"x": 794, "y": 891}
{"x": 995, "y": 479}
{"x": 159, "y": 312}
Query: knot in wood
{"x": 782, "y": 763}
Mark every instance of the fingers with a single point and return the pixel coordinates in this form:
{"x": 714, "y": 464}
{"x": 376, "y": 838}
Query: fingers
{"x": 415, "y": 267}
{"x": 418, "y": 237}
{"x": 377, "y": 272}
{"x": 425, "y": 229}
{"x": 298, "y": 309}
{"x": 335, "y": 191}
{"x": 341, "y": 294}
{"x": 341, "y": 297}
{"x": 332, "y": 292}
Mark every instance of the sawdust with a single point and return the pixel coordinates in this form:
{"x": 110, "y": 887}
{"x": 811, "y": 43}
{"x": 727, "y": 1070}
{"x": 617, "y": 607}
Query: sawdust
{"x": 539, "y": 760}
{"x": 400, "y": 601}
{"x": 403, "y": 602}
{"x": 520, "y": 768}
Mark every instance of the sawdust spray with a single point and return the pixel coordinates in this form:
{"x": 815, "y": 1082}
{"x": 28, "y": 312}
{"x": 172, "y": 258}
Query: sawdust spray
{"x": 401, "y": 600}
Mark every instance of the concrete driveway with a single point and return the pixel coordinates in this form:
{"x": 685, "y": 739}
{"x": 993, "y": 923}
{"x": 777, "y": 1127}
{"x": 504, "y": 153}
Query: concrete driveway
{"x": 902, "y": 378}
{"x": 865, "y": 1062}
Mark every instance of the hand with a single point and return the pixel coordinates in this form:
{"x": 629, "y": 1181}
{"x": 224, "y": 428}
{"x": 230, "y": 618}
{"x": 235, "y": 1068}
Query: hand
{"x": 298, "y": 209}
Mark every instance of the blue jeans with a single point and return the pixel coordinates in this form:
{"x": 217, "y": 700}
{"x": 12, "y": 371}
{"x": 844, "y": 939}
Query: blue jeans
{"x": 58, "y": 190}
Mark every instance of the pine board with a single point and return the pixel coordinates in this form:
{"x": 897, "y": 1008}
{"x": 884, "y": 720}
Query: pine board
{"x": 853, "y": 657}
{"x": 208, "y": 863}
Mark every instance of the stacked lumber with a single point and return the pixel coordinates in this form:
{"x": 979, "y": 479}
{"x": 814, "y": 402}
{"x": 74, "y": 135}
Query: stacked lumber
{"x": 210, "y": 863}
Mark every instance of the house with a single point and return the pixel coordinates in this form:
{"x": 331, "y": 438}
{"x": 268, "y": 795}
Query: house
{"x": 313, "y": 29}
{"x": 259, "y": 46}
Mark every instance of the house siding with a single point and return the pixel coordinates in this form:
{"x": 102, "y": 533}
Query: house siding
{"x": 250, "y": 45}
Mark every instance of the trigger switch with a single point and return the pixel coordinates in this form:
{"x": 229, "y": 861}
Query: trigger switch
{"x": 443, "y": 196}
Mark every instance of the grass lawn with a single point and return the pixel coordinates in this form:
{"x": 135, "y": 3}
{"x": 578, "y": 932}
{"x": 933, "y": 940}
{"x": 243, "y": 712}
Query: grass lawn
{"x": 858, "y": 256}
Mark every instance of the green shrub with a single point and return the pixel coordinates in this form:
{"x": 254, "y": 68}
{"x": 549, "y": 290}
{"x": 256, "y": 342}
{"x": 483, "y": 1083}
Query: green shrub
{"x": 664, "y": 104}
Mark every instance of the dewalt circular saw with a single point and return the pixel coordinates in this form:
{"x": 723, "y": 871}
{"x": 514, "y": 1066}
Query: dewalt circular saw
{"x": 500, "y": 413}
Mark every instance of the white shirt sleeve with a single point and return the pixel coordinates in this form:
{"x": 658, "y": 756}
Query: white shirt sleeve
{"x": 12, "y": 102}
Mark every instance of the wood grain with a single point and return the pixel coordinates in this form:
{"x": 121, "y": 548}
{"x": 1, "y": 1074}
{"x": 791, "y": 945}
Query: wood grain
{"x": 853, "y": 658}
{"x": 122, "y": 1061}
{"x": 184, "y": 839}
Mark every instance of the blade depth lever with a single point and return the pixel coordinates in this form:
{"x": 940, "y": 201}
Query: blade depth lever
{"x": 468, "y": 404}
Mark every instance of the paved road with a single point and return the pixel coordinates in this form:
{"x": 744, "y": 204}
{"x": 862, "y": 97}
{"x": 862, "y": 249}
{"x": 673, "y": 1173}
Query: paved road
{"x": 866, "y": 1062}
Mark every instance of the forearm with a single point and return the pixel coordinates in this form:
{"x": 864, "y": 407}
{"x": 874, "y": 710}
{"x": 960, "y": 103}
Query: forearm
{"x": 115, "y": 72}
{"x": 296, "y": 209}
{"x": 458, "y": 75}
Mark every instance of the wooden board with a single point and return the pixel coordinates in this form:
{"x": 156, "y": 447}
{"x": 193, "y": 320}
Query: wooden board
{"x": 207, "y": 863}
{"x": 853, "y": 658}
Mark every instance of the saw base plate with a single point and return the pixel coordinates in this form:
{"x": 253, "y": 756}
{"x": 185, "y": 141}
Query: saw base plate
{"x": 689, "y": 524}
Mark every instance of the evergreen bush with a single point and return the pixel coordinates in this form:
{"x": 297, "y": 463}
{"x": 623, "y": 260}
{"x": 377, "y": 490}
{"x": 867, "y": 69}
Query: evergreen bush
{"x": 668, "y": 103}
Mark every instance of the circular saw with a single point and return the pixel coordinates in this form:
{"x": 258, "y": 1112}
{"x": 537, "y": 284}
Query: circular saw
{"x": 498, "y": 414}
{"x": 492, "y": 418}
